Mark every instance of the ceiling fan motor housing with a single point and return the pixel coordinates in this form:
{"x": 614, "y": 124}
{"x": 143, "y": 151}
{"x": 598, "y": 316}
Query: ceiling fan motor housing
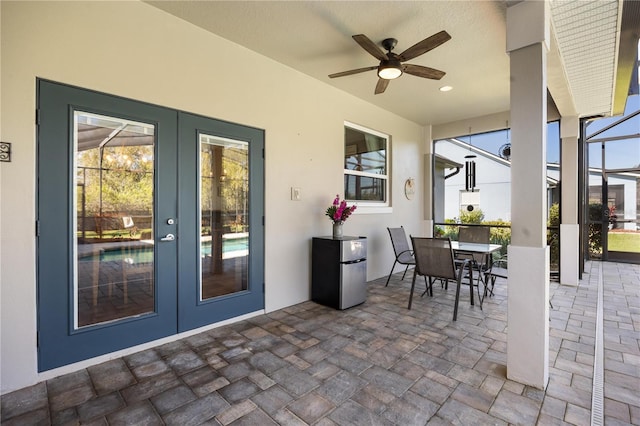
{"x": 389, "y": 43}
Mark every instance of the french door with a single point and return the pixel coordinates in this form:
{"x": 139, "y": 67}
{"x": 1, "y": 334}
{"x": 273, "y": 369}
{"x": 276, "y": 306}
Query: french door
{"x": 149, "y": 222}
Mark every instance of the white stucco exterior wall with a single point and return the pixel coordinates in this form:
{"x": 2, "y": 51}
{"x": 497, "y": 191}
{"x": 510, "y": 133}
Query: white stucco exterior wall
{"x": 134, "y": 50}
{"x": 493, "y": 181}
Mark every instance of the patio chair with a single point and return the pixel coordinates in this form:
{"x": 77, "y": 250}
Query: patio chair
{"x": 499, "y": 270}
{"x": 435, "y": 259}
{"x": 404, "y": 255}
{"x": 477, "y": 235}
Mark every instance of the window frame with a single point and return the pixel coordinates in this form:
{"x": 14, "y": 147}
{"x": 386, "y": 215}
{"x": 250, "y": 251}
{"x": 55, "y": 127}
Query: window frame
{"x": 366, "y": 206}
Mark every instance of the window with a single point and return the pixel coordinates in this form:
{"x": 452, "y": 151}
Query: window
{"x": 366, "y": 166}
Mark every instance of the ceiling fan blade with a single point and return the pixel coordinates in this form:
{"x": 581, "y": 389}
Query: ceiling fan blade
{"x": 425, "y": 72}
{"x": 370, "y": 46}
{"x": 344, "y": 73}
{"x": 424, "y": 46}
{"x": 381, "y": 86}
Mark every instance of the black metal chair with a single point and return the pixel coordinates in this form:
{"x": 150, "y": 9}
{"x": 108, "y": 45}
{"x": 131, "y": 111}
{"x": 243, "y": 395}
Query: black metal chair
{"x": 435, "y": 259}
{"x": 499, "y": 270}
{"x": 404, "y": 255}
{"x": 481, "y": 263}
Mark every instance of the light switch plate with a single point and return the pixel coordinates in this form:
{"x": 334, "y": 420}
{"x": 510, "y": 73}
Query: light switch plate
{"x": 295, "y": 194}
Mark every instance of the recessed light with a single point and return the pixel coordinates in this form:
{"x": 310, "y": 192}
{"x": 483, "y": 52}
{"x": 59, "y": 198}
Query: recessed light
{"x": 446, "y": 88}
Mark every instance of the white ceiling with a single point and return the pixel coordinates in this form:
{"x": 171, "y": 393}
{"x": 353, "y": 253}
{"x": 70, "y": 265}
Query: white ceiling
{"x": 314, "y": 37}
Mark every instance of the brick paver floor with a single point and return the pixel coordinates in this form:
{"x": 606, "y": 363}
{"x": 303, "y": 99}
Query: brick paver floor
{"x": 374, "y": 364}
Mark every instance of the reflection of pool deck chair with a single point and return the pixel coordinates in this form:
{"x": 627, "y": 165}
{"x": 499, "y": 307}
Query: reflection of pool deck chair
{"x": 127, "y": 223}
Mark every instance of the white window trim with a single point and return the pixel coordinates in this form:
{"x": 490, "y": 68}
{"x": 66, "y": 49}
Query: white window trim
{"x": 373, "y": 207}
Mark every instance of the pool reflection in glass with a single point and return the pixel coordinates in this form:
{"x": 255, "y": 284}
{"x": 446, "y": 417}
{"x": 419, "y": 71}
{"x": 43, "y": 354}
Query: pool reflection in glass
{"x": 224, "y": 230}
{"x": 114, "y": 169}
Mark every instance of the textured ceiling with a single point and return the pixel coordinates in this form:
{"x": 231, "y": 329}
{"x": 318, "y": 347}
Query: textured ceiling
{"x": 314, "y": 37}
{"x": 586, "y": 32}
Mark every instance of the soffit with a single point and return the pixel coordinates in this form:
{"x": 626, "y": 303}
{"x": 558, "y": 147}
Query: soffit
{"x": 587, "y": 37}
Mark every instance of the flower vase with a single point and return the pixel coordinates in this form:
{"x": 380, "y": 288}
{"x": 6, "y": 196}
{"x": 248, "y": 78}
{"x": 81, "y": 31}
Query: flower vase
{"x": 337, "y": 229}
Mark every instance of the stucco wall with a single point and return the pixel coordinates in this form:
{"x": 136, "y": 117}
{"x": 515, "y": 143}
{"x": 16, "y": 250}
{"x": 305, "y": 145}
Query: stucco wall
{"x": 134, "y": 50}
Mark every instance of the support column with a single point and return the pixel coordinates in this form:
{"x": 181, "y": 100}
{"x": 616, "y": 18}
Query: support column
{"x": 427, "y": 183}
{"x": 569, "y": 227}
{"x": 528, "y": 284}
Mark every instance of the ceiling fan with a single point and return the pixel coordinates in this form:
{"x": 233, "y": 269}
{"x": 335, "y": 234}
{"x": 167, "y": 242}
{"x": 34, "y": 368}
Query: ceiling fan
{"x": 391, "y": 65}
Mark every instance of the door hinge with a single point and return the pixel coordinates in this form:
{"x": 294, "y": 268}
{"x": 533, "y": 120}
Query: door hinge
{"x": 37, "y": 339}
{"x": 262, "y": 220}
{"x": 37, "y": 228}
{"x": 37, "y": 117}
{"x": 263, "y": 153}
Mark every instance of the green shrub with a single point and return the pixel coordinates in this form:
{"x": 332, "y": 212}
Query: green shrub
{"x": 473, "y": 217}
{"x": 595, "y": 229}
{"x": 553, "y": 221}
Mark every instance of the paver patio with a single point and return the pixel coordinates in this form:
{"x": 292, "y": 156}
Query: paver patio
{"x": 374, "y": 364}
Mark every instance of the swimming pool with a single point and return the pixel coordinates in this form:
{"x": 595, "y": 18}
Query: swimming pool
{"x": 144, "y": 254}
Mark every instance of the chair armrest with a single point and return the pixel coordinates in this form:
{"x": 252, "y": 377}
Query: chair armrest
{"x": 460, "y": 265}
{"x": 498, "y": 272}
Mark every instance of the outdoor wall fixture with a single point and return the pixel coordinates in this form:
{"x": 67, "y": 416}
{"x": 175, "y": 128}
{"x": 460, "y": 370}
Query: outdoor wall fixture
{"x": 5, "y": 151}
{"x": 470, "y": 165}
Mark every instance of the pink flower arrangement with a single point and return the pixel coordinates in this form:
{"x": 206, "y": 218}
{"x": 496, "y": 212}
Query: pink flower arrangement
{"x": 339, "y": 211}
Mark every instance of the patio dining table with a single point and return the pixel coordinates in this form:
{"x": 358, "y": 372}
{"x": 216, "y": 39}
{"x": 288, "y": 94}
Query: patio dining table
{"x": 471, "y": 249}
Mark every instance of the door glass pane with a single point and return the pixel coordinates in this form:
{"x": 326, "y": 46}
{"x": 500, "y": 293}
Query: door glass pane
{"x": 114, "y": 178}
{"x": 224, "y": 214}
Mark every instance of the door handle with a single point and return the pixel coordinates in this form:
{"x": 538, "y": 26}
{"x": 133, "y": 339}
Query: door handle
{"x": 168, "y": 237}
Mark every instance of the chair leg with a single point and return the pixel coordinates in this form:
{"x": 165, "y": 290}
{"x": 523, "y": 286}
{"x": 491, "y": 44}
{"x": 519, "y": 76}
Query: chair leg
{"x": 391, "y": 273}
{"x": 428, "y": 286}
{"x": 455, "y": 305}
{"x": 405, "y": 271}
{"x": 458, "y": 284}
{"x": 413, "y": 285}
{"x": 489, "y": 280}
{"x": 471, "y": 283}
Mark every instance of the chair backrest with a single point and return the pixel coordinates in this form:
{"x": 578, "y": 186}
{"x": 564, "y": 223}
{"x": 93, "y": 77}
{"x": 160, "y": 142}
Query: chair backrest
{"x": 399, "y": 240}
{"x": 127, "y": 222}
{"x": 474, "y": 234}
{"x": 434, "y": 257}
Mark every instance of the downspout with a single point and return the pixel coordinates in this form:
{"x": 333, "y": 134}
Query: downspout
{"x": 455, "y": 172}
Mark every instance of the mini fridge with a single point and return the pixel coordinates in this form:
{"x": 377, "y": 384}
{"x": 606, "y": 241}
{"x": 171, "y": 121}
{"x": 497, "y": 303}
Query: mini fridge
{"x": 339, "y": 271}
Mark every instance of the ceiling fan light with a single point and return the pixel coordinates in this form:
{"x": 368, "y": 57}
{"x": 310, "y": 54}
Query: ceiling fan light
{"x": 389, "y": 70}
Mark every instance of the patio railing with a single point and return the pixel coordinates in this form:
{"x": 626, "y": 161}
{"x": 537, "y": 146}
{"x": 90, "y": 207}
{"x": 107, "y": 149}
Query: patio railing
{"x": 501, "y": 234}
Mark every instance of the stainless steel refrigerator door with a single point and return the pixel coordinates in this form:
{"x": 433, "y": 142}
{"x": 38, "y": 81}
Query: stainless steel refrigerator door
{"x": 353, "y": 250}
{"x": 354, "y": 284}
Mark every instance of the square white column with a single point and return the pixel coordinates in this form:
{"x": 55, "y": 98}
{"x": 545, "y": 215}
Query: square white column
{"x": 528, "y": 283}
